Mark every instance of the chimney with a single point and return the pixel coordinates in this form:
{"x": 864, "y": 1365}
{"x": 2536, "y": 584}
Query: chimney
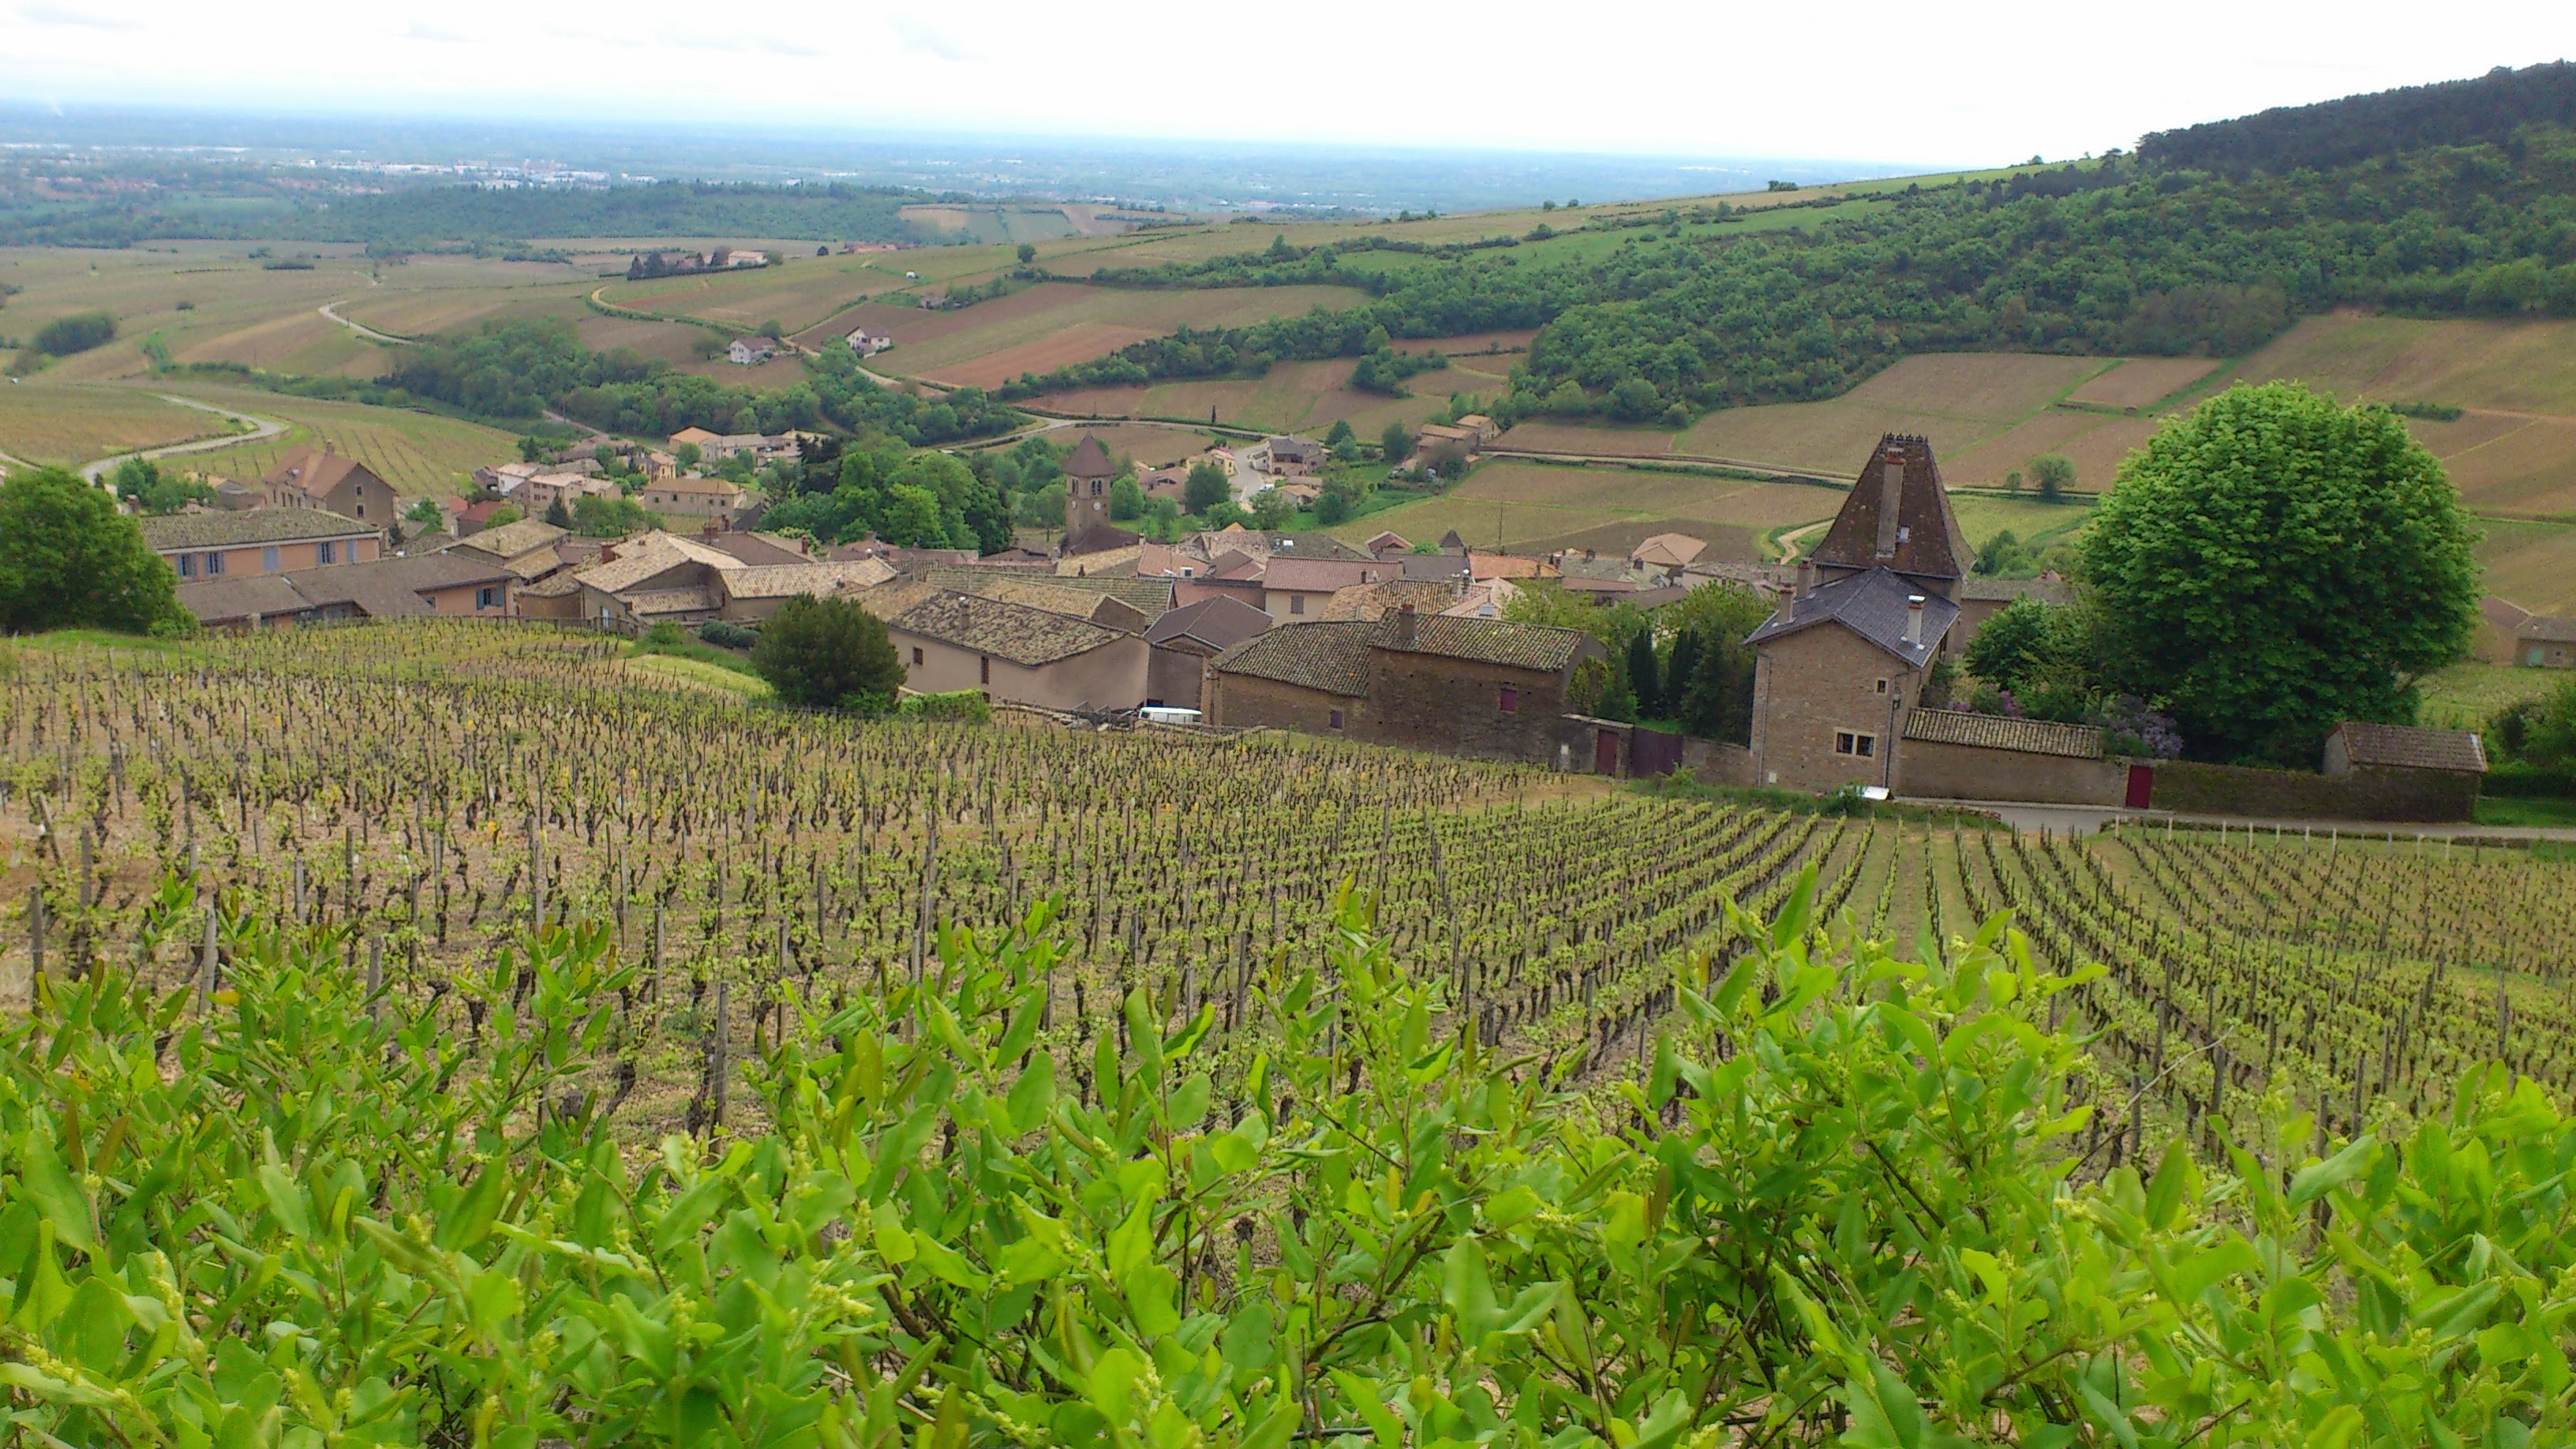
{"x": 1891, "y": 494}
{"x": 1914, "y": 620}
{"x": 1806, "y": 578}
{"x": 1407, "y": 628}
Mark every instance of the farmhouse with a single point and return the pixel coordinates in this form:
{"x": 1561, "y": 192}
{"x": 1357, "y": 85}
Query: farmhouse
{"x": 752, "y": 351}
{"x": 866, "y": 343}
{"x": 386, "y": 588}
{"x": 312, "y": 478}
{"x": 1287, "y": 456}
{"x": 1444, "y": 443}
{"x": 262, "y": 541}
{"x": 1478, "y": 687}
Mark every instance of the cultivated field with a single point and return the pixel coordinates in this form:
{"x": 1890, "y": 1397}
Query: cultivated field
{"x": 992, "y": 342}
{"x": 46, "y": 420}
{"x": 420, "y": 454}
{"x": 2141, "y": 382}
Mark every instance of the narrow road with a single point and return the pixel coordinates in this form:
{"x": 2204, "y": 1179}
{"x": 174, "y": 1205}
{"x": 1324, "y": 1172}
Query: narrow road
{"x": 265, "y": 428}
{"x": 361, "y": 328}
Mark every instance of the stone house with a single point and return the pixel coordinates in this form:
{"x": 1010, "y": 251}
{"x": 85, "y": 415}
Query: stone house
{"x": 695, "y": 497}
{"x": 1477, "y": 687}
{"x": 1012, "y": 652}
{"x": 312, "y": 478}
{"x": 216, "y": 545}
{"x": 2541, "y": 641}
{"x": 751, "y": 351}
{"x": 1841, "y": 664}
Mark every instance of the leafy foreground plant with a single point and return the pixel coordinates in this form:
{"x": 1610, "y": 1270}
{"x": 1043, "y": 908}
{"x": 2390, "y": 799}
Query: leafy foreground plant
{"x": 1837, "y": 1205}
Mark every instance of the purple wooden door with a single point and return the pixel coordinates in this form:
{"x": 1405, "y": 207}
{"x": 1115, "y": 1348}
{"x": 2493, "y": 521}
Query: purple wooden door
{"x": 1653, "y": 753}
{"x": 1605, "y": 752}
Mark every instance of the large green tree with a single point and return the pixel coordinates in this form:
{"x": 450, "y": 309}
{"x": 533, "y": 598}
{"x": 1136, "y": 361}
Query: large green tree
{"x": 829, "y": 654}
{"x": 68, "y": 560}
{"x": 2274, "y": 563}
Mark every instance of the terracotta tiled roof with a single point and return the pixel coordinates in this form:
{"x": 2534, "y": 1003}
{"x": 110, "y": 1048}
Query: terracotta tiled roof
{"x": 1024, "y": 636}
{"x": 649, "y": 556}
{"x": 1489, "y": 641}
{"x": 780, "y": 581}
{"x": 2407, "y": 747}
{"x": 513, "y": 539}
{"x": 313, "y": 471}
{"x": 649, "y": 602}
{"x": 1995, "y": 732}
{"x": 1332, "y": 658}
{"x": 1149, "y": 597}
{"x": 1376, "y": 601}
{"x": 179, "y": 531}
{"x": 1669, "y": 550}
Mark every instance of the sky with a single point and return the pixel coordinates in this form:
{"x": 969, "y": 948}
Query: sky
{"x": 1918, "y": 83}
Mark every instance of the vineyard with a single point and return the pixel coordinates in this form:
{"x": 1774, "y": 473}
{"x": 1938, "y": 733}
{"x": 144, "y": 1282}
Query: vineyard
{"x": 814, "y": 1081}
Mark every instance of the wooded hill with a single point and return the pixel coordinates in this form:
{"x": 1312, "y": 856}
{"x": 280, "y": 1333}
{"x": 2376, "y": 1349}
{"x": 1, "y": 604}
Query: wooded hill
{"x": 2460, "y": 208}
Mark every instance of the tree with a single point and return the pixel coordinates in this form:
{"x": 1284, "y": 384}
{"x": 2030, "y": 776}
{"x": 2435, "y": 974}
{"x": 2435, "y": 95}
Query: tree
{"x": 1028, "y": 253}
{"x": 156, "y": 492}
{"x": 2053, "y": 474}
{"x": 78, "y": 332}
{"x": 1396, "y": 443}
{"x": 506, "y": 513}
{"x": 1643, "y": 681}
{"x": 2010, "y": 647}
{"x": 1126, "y": 499}
{"x": 2273, "y": 564}
{"x": 533, "y": 449}
{"x": 829, "y": 654}
{"x": 68, "y": 560}
{"x": 1206, "y": 487}
{"x": 1340, "y": 439}
{"x": 687, "y": 455}
{"x": 557, "y": 514}
{"x": 1618, "y": 701}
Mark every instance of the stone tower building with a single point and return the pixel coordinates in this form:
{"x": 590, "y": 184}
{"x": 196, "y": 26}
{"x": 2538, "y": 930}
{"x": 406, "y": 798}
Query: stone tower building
{"x": 1087, "y": 471}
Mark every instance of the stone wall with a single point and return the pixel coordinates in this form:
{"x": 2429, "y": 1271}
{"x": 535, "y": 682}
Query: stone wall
{"x": 1933, "y": 771}
{"x": 1244, "y": 701}
{"x": 1454, "y": 706}
{"x": 1109, "y": 677}
{"x": 2414, "y": 795}
{"x": 1715, "y": 762}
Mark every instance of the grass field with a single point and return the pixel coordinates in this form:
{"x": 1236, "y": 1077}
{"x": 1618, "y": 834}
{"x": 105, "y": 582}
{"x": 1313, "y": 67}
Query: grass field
{"x": 44, "y": 420}
{"x": 2465, "y": 696}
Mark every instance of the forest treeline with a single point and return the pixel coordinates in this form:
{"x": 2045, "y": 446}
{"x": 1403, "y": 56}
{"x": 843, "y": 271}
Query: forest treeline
{"x": 510, "y": 371}
{"x": 2118, "y": 256}
{"x": 2490, "y": 108}
{"x": 228, "y": 208}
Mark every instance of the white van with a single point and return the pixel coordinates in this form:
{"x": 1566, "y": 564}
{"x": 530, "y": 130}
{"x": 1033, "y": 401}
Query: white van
{"x": 1168, "y": 714}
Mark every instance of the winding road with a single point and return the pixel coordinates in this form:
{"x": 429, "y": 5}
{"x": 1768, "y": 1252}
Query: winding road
{"x": 361, "y": 328}
{"x": 264, "y": 428}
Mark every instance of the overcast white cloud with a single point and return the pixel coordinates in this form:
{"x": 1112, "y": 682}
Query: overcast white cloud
{"x": 1898, "y": 82}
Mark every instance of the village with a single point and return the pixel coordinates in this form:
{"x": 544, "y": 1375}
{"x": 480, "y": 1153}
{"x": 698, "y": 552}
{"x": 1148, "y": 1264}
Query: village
{"x": 1390, "y": 641}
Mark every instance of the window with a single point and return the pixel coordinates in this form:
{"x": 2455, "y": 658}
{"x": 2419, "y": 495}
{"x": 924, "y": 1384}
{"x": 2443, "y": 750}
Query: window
{"x": 1296, "y": 603}
{"x": 214, "y": 564}
{"x": 326, "y": 552}
{"x": 487, "y": 598}
{"x": 1511, "y": 700}
{"x": 1337, "y": 719}
{"x": 268, "y": 559}
{"x": 362, "y": 510}
{"x": 1095, "y": 487}
{"x": 187, "y": 565}
{"x": 1859, "y": 746}
{"x": 983, "y": 669}
{"x": 1882, "y": 686}
{"x": 916, "y": 656}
